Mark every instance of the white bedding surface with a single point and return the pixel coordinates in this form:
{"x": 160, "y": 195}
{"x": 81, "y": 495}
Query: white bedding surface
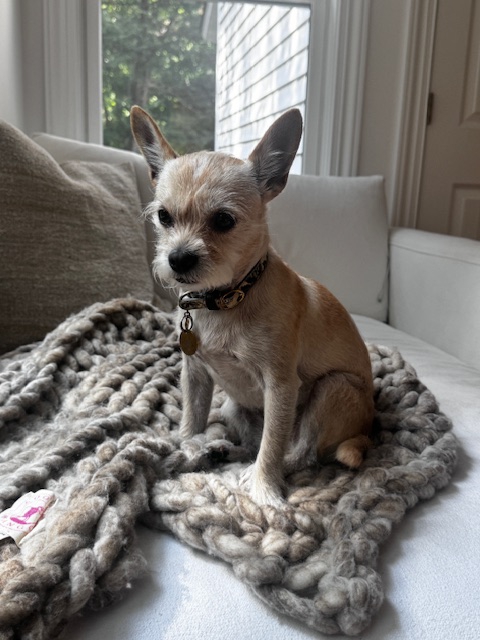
{"x": 430, "y": 566}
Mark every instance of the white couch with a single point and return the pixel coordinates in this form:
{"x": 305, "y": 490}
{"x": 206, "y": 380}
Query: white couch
{"x": 415, "y": 290}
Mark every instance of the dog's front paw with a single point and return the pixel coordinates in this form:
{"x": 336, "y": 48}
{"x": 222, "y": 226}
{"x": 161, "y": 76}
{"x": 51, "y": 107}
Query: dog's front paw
{"x": 267, "y": 496}
{"x": 187, "y": 429}
{"x": 262, "y": 492}
{"x": 246, "y": 477}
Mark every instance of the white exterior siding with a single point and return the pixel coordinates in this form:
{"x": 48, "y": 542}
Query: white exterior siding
{"x": 262, "y": 62}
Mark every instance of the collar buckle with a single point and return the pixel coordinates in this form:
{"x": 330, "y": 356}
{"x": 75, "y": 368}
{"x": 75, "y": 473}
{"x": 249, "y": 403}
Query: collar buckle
{"x": 230, "y": 299}
{"x": 192, "y": 300}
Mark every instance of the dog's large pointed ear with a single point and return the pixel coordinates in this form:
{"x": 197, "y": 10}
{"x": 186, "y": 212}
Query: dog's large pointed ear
{"x": 151, "y": 141}
{"x": 274, "y": 154}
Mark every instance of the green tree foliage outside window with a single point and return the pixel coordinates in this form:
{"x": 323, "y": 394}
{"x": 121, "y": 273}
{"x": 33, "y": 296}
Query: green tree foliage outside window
{"x": 154, "y": 56}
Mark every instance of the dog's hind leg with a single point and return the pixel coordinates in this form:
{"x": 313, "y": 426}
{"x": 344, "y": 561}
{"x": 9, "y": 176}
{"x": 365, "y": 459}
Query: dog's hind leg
{"x": 339, "y": 414}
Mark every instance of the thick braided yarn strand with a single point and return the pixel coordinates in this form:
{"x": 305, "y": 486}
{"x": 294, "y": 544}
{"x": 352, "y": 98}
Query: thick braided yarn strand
{"x": 92, "y": 414}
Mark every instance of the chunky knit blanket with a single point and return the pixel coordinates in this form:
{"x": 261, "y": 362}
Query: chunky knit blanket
{"x": 91, "y": 413}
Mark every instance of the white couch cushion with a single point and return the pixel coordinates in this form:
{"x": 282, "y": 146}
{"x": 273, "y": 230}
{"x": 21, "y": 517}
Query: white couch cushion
{"x": 335, "y": 230}
{"x": 435, "y": 290}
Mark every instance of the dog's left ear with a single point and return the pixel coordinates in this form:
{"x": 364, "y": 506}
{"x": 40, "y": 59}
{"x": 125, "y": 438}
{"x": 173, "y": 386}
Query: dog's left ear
{"x": 274, "y": 154}
{"x": 151, "y": 141}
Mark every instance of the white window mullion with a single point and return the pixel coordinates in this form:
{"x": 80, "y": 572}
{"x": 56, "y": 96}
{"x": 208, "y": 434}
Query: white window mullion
{"x": 319, "y": 112}
{"x": 94, "y": 82}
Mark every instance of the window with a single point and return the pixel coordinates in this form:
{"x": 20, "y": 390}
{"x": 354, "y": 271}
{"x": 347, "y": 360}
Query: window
{"x": 72, "y": 89}
{"x": 214, "y": 75}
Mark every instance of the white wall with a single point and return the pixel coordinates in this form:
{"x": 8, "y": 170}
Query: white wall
{"x": 383, "y": 90}
{"x": 11, "y": 98}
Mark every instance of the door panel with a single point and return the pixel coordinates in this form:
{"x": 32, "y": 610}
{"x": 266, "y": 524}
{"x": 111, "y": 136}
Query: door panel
{"x": 450, "y": 187}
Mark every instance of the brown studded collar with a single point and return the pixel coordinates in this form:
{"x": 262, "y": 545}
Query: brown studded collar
{"x": 223, "y": 299}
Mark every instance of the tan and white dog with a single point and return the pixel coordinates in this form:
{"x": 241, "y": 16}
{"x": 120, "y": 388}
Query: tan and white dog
{"x": 289, "y": 357}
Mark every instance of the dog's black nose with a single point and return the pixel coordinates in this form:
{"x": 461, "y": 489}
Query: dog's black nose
{"x": 182, "y": 261}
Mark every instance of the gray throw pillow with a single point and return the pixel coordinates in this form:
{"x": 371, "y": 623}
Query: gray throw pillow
{"x": 70, "y": 235}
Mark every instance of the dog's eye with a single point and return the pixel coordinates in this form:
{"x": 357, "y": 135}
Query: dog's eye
{"x": 223, "y": 221}
{"x": 165, "y": 218}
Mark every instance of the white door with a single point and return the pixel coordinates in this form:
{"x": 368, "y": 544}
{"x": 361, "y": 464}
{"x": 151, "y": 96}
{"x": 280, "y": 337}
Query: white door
{"x": 450, "y": 186}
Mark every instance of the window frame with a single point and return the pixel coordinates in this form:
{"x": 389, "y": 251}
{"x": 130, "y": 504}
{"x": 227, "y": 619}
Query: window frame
{"x": 335, "y": 78}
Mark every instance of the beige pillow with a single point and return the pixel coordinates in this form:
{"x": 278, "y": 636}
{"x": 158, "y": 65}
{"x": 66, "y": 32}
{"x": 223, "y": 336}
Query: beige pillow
{"x": 70, "y": 235}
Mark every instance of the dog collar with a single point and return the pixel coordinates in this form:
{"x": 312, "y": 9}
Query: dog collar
{"x": 215, "y": 300}
{"x": 223, "y": 299}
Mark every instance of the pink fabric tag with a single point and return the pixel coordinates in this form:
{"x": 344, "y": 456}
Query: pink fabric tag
{"x": 17, "y": 521}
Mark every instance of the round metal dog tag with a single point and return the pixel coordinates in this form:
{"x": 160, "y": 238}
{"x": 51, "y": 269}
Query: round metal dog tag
{"x": 188, "y": 342}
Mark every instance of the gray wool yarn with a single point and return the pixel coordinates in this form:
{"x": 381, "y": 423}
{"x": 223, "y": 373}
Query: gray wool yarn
{"x": 92, "y": 412}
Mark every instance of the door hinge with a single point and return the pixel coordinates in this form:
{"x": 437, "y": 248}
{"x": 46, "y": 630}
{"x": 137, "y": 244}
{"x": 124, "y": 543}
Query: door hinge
{"x": 431, "y": 98}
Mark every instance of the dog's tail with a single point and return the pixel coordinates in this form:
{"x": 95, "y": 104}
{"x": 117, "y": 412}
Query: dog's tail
{"x": 351, "y": 452}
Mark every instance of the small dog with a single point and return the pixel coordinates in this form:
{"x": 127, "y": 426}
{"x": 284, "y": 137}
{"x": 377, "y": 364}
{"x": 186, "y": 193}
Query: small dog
{"x": 289, "y": 357}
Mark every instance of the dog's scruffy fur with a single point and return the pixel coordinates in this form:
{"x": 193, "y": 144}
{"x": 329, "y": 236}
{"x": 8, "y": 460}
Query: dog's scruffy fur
{"x": 289, "y": 357}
